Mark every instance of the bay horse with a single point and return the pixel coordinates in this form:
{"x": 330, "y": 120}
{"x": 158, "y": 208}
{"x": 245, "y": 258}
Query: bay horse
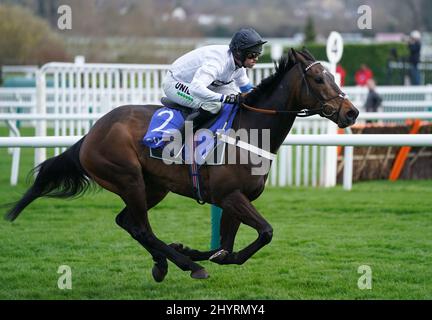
{"x": 113, "y": 156}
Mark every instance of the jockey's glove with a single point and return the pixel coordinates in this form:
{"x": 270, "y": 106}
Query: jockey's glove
{"x": 233, "y": 98}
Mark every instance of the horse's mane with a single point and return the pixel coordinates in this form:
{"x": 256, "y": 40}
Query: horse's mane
{"x": 267, "y": 85}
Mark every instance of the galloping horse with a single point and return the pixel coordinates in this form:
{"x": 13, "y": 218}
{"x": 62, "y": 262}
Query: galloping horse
{"x": 113, "y": 156}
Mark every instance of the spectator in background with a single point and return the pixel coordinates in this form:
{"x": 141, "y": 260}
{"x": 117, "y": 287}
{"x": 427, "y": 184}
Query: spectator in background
{"x": 393, "y": 54}
{"x": 342, "y": 73}
{"x": 373, "y": 100}
{"x": 414, "y": 46}
{"x": 393, "y": 57}
{"x": 363, "y": 75}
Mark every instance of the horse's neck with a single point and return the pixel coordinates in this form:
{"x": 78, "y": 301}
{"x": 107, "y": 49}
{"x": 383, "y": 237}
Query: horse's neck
{"x": 279, "y": 124}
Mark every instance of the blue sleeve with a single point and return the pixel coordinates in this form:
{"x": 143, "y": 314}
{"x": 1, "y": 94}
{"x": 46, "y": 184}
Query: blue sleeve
{"x": 246, "y": 88}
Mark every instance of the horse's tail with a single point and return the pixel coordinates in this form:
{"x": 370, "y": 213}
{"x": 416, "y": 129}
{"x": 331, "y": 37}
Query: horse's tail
{"x": 58, "y": 177}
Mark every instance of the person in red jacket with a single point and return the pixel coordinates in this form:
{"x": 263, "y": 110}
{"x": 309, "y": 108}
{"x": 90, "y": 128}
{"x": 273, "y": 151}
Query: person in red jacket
{"x": 342, "y": 73}
{"x": 363, "y": 75}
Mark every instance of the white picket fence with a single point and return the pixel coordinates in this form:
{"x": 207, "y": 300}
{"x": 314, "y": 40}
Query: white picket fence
{"x": 396, "y": 98}
{"x": 302, "y": 159}
{"x": 97, "y": 88}
{"x": 298, "y": 140}
{"x": 70, "y": 97}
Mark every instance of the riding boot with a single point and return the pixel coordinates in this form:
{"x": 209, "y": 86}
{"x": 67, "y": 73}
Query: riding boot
{"x": 198, "y": 117}
{"x": 202, "y": 118}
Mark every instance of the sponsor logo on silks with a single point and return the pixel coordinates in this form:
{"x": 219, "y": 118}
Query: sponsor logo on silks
{"x": 182, "y": 87}
{"x": 184, "y": 96}
{"x": 183, "y": 91}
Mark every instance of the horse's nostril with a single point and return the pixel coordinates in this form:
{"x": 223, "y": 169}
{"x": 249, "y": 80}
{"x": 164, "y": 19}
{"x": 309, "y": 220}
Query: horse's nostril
{"x": 351, "y": 114}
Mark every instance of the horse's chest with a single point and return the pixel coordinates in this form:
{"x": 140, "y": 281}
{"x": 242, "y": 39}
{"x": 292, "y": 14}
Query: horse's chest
{"x": 223, "y": 181}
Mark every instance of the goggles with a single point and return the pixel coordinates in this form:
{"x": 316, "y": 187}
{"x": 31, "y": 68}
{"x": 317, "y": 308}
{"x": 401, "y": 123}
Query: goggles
{"x": 252, "y": 55}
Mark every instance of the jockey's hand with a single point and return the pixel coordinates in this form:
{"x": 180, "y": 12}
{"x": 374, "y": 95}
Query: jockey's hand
{"x": 234, "y": 98}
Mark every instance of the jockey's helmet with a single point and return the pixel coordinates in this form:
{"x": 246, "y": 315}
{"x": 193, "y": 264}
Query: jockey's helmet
{"x": 245, "y": 41}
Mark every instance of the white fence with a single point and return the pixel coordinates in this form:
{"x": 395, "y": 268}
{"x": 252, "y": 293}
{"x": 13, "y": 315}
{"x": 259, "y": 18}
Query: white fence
{"x": 27, "y": 71}
{"x": 395, "y": 98}
{"x": 303, "y": 162}
{"x": 98, "y": 88}
{"x": 302, "y": 159}
{"x": 107, "y": 85}
{"x": 13, "y": 99}
{"x": 327, "y": 155}
{"x": 313, "y": 140}
{"x": 70, "y": 97}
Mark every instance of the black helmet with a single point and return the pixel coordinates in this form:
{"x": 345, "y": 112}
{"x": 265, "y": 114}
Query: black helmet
{"x": 244, "y": 41}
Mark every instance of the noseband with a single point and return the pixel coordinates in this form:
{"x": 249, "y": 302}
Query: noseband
{"x": 323, "y": 110}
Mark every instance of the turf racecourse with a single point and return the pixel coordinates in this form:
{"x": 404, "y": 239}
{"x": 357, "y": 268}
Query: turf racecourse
{"x": 321, "y": 237}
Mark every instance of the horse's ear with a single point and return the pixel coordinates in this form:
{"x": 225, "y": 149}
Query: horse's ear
{"x": 292, "y": 56}
{"x": 299, "y": 56}
{"x": 307, "y": 53}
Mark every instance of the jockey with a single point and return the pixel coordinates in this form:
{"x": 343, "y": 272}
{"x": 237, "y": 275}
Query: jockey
{"x": 206, "y": 78}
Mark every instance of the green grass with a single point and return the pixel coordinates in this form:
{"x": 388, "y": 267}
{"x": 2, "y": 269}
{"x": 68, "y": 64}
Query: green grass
{"x": 321, "y": 237}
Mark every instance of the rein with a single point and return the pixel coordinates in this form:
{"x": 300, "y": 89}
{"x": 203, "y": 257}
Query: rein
{"x": 304, "y": 112}
{"x": 301, "y": 113}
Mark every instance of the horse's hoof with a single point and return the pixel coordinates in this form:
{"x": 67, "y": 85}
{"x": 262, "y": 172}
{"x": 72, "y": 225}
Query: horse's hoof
{"x": 219, "y": 256}
{"x": 200, "y": 274}
{"x": 158, "y": 273}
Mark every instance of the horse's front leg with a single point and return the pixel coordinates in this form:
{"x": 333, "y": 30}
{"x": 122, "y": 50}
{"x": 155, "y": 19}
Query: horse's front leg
{"x": 228, "y": 229}
{"x": 238, "y": 205}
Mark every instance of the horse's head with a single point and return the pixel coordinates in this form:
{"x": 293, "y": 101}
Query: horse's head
{"x": 319, "y": 91}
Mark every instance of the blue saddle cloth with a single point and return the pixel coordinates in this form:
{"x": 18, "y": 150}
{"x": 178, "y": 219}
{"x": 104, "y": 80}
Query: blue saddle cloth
{"x": 166, "y": 120}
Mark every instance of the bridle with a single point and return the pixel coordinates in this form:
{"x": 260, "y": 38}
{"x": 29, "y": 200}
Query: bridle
{"x": 323, "y": 110}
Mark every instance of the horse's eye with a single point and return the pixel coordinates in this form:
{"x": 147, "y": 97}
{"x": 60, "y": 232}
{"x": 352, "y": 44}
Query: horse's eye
{"x": 319, "y": 80}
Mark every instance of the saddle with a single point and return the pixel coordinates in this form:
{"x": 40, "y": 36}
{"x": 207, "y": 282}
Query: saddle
{"x": 185, "y": 111}
{"x": 173, "y": 105}
{"x": 171, "y": 117}
{"x": 205, "y": 149}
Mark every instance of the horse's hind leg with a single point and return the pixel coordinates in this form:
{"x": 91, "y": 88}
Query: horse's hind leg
{"x": 133, "y": 193}
{"x": 110, "y": 158}
{"x": 228, "y": 230}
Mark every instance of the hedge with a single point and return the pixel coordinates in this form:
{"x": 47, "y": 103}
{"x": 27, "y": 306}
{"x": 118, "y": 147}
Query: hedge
{"x": 376, "y": 56}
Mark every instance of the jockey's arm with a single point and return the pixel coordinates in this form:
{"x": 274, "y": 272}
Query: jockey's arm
{"x": 204, "y": 76}
{"x": 243, "y": 82}
{"x": 246, "y": 88}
